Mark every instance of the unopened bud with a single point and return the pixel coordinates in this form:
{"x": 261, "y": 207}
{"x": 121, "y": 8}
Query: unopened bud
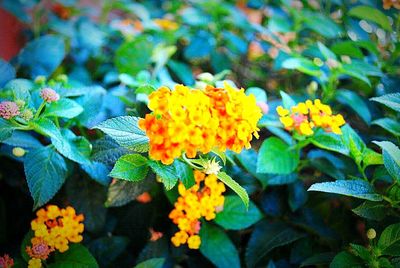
{"x": 27, "y": 114}
{"x": 62, "y": 78}
{"x": 206, "y": 77}
{"x": 18, "y": 151}
{"x": 20, "y": 103}
{"x": 371, "y": 233}
{"x": 40, "y": 79}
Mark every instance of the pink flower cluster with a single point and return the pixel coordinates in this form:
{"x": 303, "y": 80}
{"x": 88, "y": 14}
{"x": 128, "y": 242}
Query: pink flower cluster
{"x": 8, "y": 109}
{"x": 49, "y": 95}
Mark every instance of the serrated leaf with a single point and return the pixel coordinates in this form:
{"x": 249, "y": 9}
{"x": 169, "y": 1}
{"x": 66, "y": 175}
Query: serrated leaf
{"x": 390, "y": 100}
{"x": 131, "y": 167}
{"x": 217, "y": 247}
{"x": 329, "y": 141}
{"x": 6, "y": 129}
{"x": 77, "y": 256}
{"x": 239, "y": 190}
{"x": 355, "y": 188}
{"x": 167, "y": 174}
{"x": 235, "y": 217}
{"x": 266, "y": 237}
{"x": 346, "y": 260}
{"x": 391, "y": 158}
{"x": 45, "y": 172}
{"x": 22, "y": 139}
{"x": 275, "y": 156}
{"x": 126, "y": 132}
{"x": 389, "y": 241}
{"x": 107, "y": 151}
{"x": 184, "y": 173}
{"x": 63, "y": 108}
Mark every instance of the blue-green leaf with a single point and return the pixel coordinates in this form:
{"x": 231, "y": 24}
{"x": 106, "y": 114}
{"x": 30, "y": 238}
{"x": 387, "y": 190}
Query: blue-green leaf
{"x": 45, "y": 172}
{"x": 63, "y": 108}
{"x": 371, "y": 14}
{"x": 390, "y": 100}
{"x": 391, "y": 158}
{"x": 355, "y": 102}
{"x": 355, "y": 188}
{"x": 388, "y": 124}
{"x": 77, "y": 256}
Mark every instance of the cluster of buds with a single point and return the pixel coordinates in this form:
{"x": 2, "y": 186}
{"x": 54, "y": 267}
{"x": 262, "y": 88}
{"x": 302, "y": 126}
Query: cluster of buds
{"x": 204, "y": 199}
{"x": 54, "y": 229}
{"x": 305, "y": 117}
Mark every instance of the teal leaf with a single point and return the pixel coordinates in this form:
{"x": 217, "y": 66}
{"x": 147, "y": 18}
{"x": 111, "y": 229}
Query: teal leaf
{"x": 217, "y": 247}
{"x": 355, "y": 102}
{"x": 131, "y": 167}
{"x": 355, "y": 188}
{"x": 43, "y": 55}
{"x": 266, "y": 237}
{"x": 389, "y": 242}
{"x": 371, "y": 14}
{"x": 370, "y": 210}
{"x": 258, "y": 93}
{"x": 329, "y": 141}
{"x": 122, "y": 192}
{"x": 45, "y": 172}
{"x": 388, "y": 124}
{"x": 126, "y": 132}
{"x": 231, "y": 183}
{"x": 275, "y": 156}
{"x": 6, "y": 129}
{"x": 303, "y": 65}
{"x": 63, "y": 108}
{"x": 235, "y": 216}
{"x": 22, "y": 139}
{"x": 390, "y": 100}
{"x": 321, "y": 24}
{"x": 7, "y": 72}
{"x": 391, "y": 158}
{"x": 166, "y": 173}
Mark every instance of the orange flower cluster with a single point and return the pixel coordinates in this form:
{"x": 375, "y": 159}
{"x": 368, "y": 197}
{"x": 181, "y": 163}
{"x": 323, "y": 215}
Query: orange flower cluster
{"x": 304, "y": 117}
{"x": 204, "y": 199}
{"x": 192, "y": 120}
{"x": 53, "y": 228}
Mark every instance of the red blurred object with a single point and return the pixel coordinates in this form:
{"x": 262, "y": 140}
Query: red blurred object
{"x": 11, "y": 39}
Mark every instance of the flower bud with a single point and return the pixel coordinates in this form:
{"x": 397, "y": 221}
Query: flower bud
{"x": 18, "y": 151}
{"x": 205, "y": 77}
{"x": 62, "y": 78}
{"x": 40, "y": 80}
{"x": 20, "y": 103}
{"x": 371, "y": 233}
{"x": 49, "y": 95}
{"x": 27, "y": 114}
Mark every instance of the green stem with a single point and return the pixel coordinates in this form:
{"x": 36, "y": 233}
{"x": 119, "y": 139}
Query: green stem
{"x": 184, "y": 158}
{"x": 39, "y": 110}
{"x": 57, "y": 122}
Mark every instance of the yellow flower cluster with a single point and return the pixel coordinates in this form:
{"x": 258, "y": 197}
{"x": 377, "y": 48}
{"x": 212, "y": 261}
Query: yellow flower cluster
{"x": 204, "y": 199}
{"x": 53, "y": 229}
{"x": 192, "y": 120}
{"x": 304, "y": 117}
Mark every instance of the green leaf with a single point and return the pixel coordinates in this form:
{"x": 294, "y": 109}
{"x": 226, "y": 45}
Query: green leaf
{"x": 275, "y": 156}
{"x": 360, "y": 251}
{"x": 151, "y": 263}
{"x": 133, "y": 56}
{"x": 355, "y": 102}
{"x": 131, "y": 167}
{"x": 355, "y": 188}
{"x": 389, "y": 242}
{"x": 93, "y": 102}
{"x": 303, "y": 65}
{"x": 126, "y": 132}
{"x": 45, "y": 172}
{"x": 6, "y": 129}
{"x": 371, "y": 157}
{"x": 390, "y": 100}
{"x": 391, "y": 158}
{"x": 318, "y": 259}
{"x": 217, "y": 247}
{"x": 77, "y": 256}
{"x": 239, "y": 190}
{"x": 371, "y": 14}
{"x": 266, "y": 237}
{"x": 122, "y": 192}
{"x": 184, "y": 173}
{"x": 329, "y": 141}
{"x": 25, "y": 243}
{"x": 326, "y": 52}
{"x": 346, "y": 260}
{"x": 167, "y": 174}
{"x": 235, "y": 217}
{"x": 43, "y": 55}
{"x": 182, "y": 71}
{"x": 370, "y": 210}
{"x": 145, "y": 89}
{"x": 388, "y": 124}
{"x": 63, "y": 108}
